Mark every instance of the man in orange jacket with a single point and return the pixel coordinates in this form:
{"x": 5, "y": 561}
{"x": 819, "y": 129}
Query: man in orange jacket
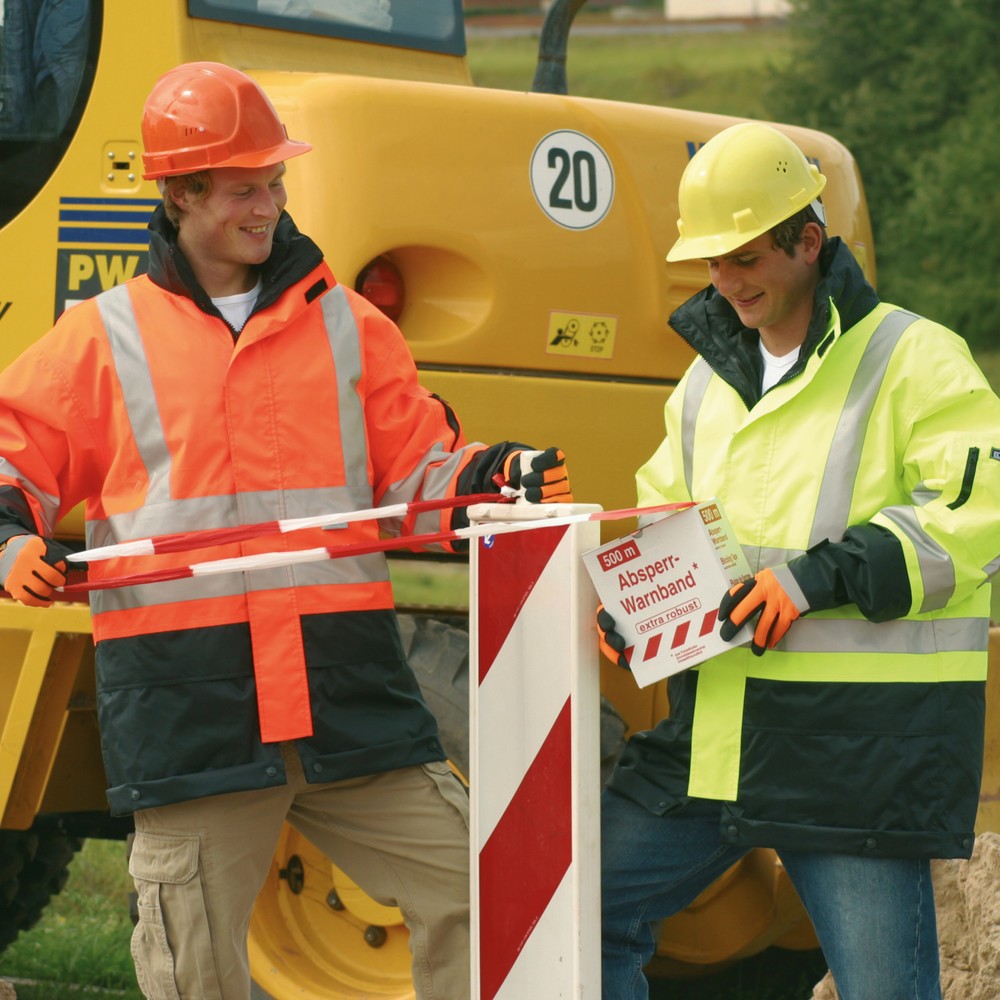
{"x": 235, "y": 383}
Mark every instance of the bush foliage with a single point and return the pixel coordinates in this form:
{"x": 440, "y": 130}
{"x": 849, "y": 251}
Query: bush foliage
{"x": 912, "y": 88}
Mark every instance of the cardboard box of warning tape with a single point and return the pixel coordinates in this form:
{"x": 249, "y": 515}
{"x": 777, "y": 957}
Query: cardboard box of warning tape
{"x": 663, "y": 584}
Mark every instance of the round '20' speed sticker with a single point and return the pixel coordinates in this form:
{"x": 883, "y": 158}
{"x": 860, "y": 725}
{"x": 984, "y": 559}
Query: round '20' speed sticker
{"x": 572, "y": 179}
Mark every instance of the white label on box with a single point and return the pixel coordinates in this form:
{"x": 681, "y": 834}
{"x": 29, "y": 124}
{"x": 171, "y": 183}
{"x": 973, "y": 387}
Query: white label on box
{"x": 663, "y": 584}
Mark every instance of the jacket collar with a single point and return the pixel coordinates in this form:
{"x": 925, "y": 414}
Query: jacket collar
{"x": 293, "y": 256}
{"x": 710, "y": 324}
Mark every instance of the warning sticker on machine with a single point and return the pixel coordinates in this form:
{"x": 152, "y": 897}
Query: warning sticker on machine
{"x": 582, "y": 334}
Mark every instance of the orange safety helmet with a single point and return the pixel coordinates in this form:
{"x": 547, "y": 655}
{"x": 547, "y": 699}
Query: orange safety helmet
{"x": 202, "y": 115}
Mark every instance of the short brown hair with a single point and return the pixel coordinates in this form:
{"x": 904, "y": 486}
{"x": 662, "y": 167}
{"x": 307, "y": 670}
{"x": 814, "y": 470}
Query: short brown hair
{"x": 788, "y": 234}
{"x": 199, "y": 184}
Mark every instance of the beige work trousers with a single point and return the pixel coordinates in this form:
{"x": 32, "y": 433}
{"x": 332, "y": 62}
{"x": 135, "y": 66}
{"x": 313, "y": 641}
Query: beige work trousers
{"x": 198, "y": 866}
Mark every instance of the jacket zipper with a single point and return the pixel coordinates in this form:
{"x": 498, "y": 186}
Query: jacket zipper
{"x": 970, "y": 474}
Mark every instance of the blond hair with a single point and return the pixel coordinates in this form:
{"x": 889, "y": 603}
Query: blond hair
{"x": 198, "y": 184}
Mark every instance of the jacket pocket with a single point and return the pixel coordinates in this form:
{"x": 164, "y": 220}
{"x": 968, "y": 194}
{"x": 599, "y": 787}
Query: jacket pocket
{"x": 449, "y": 786}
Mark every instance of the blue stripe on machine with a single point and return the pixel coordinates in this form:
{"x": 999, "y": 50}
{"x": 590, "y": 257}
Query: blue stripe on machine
{"x": 128, "y": 219}
{"x": 90, "y": 215}
{"x": 88, "y": 235}
{"x": 130, "y": 203}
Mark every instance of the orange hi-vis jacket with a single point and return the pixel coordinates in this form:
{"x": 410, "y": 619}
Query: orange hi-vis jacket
{"x": 143, "y": 404}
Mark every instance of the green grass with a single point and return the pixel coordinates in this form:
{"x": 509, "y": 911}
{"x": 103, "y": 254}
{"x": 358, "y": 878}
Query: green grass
{"x": 723, "y": 72}
{"x": 420, "y": 583}
{"x": 83, "y": 937}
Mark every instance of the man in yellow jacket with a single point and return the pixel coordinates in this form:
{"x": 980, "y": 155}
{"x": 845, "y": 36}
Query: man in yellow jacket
{"x": 236, "y": 383}
{"x": 856, "y": 449}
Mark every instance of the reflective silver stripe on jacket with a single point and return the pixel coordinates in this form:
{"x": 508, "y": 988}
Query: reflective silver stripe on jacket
{"x": 129, "y": 356}
{"x": 164, "y": 514}
{"x": 921, "y": 495}
{"x": 698, "y": 381}
{"x": 762, "y": 556}
{"x": 937, "y": 571}
{"x": 432, "y": 474}
{"x": 435, "y": 483}
{"x": 791, "y": 587}
{"x": 48, "y": 503}
{"x": 197, "y": 513}
{"x": 844, "y": 458}
{"x": 345, "y": 346}
{"x": 357, "y": 569}
{"x": 852, "y": 635}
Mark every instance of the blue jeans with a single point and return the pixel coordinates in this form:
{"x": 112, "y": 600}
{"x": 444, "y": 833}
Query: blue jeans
{"x": 874, "y": 917}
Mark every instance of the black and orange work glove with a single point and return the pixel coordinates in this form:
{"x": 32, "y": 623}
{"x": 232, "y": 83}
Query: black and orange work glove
{"x": 31, "y": 568}
{"x": 778, "y": 598}
{"x": 541, "y": 475}
{"x": 611, "y": 643}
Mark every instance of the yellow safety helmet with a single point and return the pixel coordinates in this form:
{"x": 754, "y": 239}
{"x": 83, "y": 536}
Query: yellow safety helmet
{"x": 743, "y": 181}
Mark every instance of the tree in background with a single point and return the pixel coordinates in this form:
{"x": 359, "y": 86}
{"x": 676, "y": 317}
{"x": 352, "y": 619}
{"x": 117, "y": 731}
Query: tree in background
{"x": 912, "y": 88}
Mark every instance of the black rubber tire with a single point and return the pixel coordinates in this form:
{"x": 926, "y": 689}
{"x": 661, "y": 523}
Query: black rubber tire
{"x": 34, "y": 867}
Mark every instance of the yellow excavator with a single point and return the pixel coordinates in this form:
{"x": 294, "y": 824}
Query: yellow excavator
{"x": 518, "y": 239}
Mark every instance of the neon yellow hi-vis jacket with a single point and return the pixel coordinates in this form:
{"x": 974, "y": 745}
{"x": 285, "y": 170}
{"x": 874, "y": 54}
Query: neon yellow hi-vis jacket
{"x": 873, "y": 471}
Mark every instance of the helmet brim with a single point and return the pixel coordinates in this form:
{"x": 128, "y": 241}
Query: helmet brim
{"x": 707, "y": 247}
{"x": 256, "y": 158}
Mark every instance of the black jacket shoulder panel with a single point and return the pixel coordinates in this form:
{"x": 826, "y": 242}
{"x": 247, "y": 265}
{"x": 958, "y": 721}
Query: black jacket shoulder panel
{"x": 293, "y": 256}
{"x": 710, "y": 324}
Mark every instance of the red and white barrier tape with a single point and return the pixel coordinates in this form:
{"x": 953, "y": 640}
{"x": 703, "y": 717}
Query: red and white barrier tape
{"x": 186, "y": 541}
{"x": 270, "y": 560}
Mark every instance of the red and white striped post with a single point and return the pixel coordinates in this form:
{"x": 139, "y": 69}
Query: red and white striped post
{"x": 535, "y": 759}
